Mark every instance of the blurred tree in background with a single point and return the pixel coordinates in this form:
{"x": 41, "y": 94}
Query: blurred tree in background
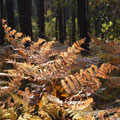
{"x": 10, "y": 13}
{"x": 2, "y": 15}
{"x": 24, "y": 9}
{"x": 41, "y": 18}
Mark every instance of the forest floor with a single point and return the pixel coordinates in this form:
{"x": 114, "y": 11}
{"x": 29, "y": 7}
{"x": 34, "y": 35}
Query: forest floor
{"x": 56, "y": 103}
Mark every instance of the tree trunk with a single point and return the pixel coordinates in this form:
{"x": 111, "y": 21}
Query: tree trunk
{"x": 96, "y": 28}
{"x": 41, "y": 18}
{"x": 68, "y": 4}
{"x": 60, "y": 22}
{"x": 16, "y": 18}
{"x": 56, "y": 28}
{"x": 10, "y": 13}
{"x": 24, "y": 8}
{"x": 82, "y": 24}
{"x": 73, "y": 23}
{"x": 2, "y": 40}
{"x": 96, "y": 23}
{"x": 34, "y": 8}
{"x": 3, "y": 11}
{"x": 64, "y": 19}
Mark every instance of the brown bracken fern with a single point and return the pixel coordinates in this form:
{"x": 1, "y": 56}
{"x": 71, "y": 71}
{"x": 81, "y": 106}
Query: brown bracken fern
{"x": 87, "y": 81}
{"x": 42, "y": 76}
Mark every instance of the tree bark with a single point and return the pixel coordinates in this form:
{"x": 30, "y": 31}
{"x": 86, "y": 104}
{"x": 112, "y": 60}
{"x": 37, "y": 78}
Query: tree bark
{"x": 64, "y": 19}
{"x": 34, "y": 8}
{"x": 24, "y": 8}
{"x": 2, "y": 16}
{"x": 41, "y": 18}
{"x": 56, "y": 28}
{"x": 73, "y": 23}
{"x": 60, "y": 21}
{"x": 3, "y": 11}
{"x": 82, "y": 24}
{"x": 10, "y": 13}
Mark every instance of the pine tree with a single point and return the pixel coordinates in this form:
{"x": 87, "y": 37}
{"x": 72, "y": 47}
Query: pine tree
{"x": 24, "y": 7}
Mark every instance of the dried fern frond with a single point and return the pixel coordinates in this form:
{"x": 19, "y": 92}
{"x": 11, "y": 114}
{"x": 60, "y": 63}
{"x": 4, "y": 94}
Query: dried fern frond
{"x": 107, "y": 50}
{"x": 16, "y": 39}
{"x": 38, "y": 43}
{"x": 25, "y": 107}
{"x": 87, "y": 81}
{"x": 41, "y": 54}
{"x": 78, "y": 105}
{"x": 51, "y": 110}
{"x": 4, "y": 114}
{"x": 37, "y": 52}
{"x": 25, "y": 116}
{"x": 86, "y": 114}
{"x": 76, "y": 48}
{"x": 62, "y": 63}
{"x": 71, "y": 54}
{"x": 7, "y": 114}
{"x": 25, "y": 39}
{"x": 12, "y": 87}
{"x": 106, "y": 69}
{"x": 74, "y": 105}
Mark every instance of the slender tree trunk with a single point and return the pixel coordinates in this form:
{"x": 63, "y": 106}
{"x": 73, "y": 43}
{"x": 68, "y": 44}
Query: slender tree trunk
{"x": 2, "y": 40}
{"x": 88, "y": 15}
{"x": 24, "y": 8}
{"x": 60, "y": 22}
{"x": 96, "y": 28}
{"x": 56, "y": 28}
{"x": 96, "y": 23}
{"x": 10, "y": 13}
{"x": 34, "y": 8}
{"x": 15, "y": 5}
{"x": 64, "y": 19}
{"x": 73, "y": 23}
{"x": 82, "y": 24}
{"x": 16, "y": 18}
{"x": 68, "y": 15}
{"x": 3, "y": 10}
{"x": 41, "y": 18}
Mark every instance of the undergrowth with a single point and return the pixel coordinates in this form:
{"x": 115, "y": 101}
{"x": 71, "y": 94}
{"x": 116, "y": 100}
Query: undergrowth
{"x": 45, "y": 81}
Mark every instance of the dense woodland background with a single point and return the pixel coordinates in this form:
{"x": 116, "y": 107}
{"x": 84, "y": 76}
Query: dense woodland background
{"x": 62, "y": 20}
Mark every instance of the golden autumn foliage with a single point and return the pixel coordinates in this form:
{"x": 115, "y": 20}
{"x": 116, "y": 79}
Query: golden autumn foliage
{"x": 41, "y": 85}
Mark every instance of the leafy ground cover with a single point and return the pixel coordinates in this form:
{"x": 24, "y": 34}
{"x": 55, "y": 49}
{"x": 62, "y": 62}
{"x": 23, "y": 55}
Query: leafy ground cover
{"x": 50, "y": 81}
